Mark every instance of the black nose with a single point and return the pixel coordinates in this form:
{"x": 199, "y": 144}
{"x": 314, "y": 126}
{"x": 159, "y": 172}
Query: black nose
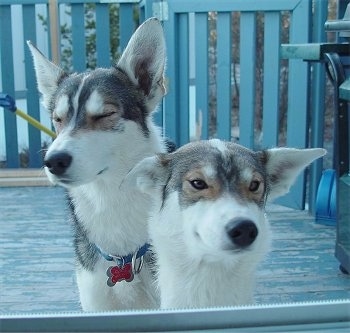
{"x": 242, "y": 232}
{"x": 58, "y": 163}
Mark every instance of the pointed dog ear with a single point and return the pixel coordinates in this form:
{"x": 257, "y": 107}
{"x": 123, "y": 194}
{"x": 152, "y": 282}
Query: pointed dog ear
{"x": 283, "y": 165}
{"x": 144, "y": 61}
{"x": 48, "y": 74}
{"x": 149, "y": 174}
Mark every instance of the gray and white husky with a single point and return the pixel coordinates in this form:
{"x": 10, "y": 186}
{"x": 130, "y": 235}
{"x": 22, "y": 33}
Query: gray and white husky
{"x": 208, "y": 224}
{"x": 104, "y": 126}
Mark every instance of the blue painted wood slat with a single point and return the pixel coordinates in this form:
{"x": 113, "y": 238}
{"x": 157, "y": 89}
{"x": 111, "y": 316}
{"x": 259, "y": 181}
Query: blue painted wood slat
{"x": 298, "y": 98}
{"x": 8, "y": 85}
{"x": 247, "y": 81}
{"x": 317, "y": 96}
{"x": 126, "y": 24}
{"x": 199, "y": 6}
{"x": 183, "y": 83}
{"x": 298, "y": 80}
{"x": 102, "y": 35}
{"x": 271, "y": 84}
{"x": 33, "y": 107}
{"x": 78, "y": 38}
{"x": 201, "y": 73}
{"x": 223, "y": 76}
{"x": 171, "y": 99}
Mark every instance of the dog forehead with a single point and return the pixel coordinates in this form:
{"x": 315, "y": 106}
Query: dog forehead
{"x": 219, "y": 145}
{"x": 106, "y": 79}
{"x": 107, "y": 82}
{"x": 242, "y": 157}
{"x": 70, "y": 85}
{"x": 194, "y": 155}
{"x": 228, "y": 157}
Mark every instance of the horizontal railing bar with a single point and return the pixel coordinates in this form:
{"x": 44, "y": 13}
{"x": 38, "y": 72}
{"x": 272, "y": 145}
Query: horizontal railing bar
{"x": 181, "y": 6}
{"x": 97, "y": 1}
{"x": 23, "y": 2}
{"x": 39, "y": 2}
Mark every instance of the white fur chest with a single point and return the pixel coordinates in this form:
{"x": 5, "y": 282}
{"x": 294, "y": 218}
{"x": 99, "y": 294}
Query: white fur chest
{"x": 111, "y": 219}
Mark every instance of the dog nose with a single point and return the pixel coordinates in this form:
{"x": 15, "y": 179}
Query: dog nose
{"x": 242, "y": 232}
{"x": 58, "y": 163}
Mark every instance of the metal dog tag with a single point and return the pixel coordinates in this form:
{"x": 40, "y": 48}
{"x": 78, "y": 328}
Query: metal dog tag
{"x": 116, "y": 274}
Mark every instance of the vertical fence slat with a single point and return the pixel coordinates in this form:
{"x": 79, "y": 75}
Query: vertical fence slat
{"x": 183, "y": 86}
{"x": 8, "y": 86}
{"x": 247, "y": 79}
{"x": 33, "y": 107}
{"x": 223, "y": 78}
{"x": 170, "y": 102}
{"x": 271, "y": 79}
{"x": 298, "y": 84}
{"x": 78, "y": 37}
{"x": 202, "y": 77}
{"x": 102, "y": 35}
{"x": 298, "y": 99}
{"x": 126, "y": 24}
{"x": 317, "y": 96}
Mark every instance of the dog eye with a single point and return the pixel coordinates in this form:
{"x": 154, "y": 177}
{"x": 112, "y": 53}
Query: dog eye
{"x": 57, "y": 119}
{"x": 199, "y": 184}
{"x": 104, "y": 115}
{"x": 254, "y": 185}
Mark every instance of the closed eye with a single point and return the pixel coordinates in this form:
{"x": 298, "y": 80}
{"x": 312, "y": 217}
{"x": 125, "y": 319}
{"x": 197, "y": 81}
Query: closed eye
{"x": 102, "y": 116}
{"x": 198, "y": 184}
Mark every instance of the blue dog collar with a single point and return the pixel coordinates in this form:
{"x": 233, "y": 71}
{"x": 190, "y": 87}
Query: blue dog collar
{"x": 121, "y": 261}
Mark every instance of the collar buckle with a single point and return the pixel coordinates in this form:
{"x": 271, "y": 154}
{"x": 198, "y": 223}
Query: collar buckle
{"x": 137, "y": 269}
{"x": 120, "y": 261}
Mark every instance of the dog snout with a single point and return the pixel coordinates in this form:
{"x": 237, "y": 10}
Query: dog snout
{"x": 58, "y": 163}
{"x": 242, "y": 232}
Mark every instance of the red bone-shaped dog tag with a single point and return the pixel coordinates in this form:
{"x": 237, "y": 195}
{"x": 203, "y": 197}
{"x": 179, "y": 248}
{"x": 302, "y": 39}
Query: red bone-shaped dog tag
{"x": 116, "y": 274}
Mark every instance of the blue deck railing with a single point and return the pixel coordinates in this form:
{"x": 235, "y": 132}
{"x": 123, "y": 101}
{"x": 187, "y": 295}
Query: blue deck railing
{"x": 225, "y": 74}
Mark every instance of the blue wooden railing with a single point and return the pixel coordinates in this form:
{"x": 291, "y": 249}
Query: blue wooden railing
{"x": 191, "y": 92}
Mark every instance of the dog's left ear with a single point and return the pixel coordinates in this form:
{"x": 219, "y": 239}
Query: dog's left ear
{"x": 150, "y": 174}
{"x": 144, "y": 60}
{"x": 283, "y": 165}
{"x": 48, "y": 74}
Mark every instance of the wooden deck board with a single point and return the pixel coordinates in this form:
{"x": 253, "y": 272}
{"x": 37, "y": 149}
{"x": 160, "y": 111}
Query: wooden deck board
{"x": 37, "y": 264}
{"x": 23, "y": 177}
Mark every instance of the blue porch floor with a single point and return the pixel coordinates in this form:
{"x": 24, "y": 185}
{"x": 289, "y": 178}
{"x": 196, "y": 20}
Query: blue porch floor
{"x": 37, "y": 263}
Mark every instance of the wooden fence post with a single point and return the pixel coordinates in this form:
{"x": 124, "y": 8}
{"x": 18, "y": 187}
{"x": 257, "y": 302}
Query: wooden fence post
{"x": 54, "y": 32}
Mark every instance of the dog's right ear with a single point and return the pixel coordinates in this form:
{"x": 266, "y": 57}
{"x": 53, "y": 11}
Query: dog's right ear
{"x": 48, "y": 74}
{"x": 144, "y": 61}
{"x": 283, "y": 165}
{"x": 150, "y": 174}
